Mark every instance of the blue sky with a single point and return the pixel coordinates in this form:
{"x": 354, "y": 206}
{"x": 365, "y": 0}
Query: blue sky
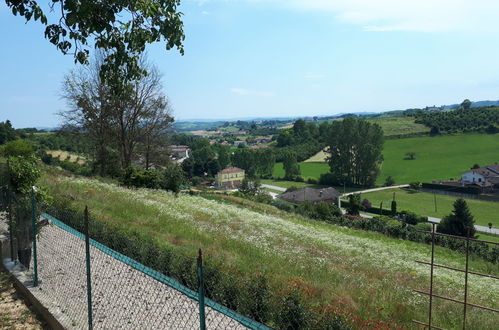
{"x": 267, "y": 58}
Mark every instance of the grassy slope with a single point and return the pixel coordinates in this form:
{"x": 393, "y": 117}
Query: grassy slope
{"x": 437, "y": 158}
{"x": 399, "y": 125}
{"x": 365, "y": 271}
{"x": 423, "y": 204}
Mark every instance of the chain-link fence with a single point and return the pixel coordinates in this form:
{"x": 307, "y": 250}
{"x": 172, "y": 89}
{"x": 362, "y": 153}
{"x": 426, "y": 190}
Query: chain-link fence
{"x": 90, "y": 274}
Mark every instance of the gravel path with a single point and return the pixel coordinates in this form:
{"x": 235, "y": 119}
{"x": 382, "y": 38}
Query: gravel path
{"x": 123, "y": 297}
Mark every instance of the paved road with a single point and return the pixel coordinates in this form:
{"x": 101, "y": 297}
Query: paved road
{"x": 375, "y": 189}
{"x": 477, "y": 227}
{"x": 273, "y": 187}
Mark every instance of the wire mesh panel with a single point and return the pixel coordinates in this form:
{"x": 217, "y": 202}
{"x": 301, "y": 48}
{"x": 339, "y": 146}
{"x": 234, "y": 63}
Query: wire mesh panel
{"x": 128, "y": 294}
{"x": 62, "y": 276}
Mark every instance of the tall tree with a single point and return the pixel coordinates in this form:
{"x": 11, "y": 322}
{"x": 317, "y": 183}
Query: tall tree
{"x": 290, "y": 164}
{"x": 114, "y": 122}
{"x": 7, "y": 132}
{"x": 459, "y": 222}
{"x": 355, "y": 147}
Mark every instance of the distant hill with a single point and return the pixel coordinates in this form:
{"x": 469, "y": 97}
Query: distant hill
{"x": 473, "y": 104}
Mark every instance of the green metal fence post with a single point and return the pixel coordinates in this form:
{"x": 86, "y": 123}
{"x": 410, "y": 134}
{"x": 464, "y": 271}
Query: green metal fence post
{"x": 89, "y": 280}
{"x": 33, "y": 231}
{"x": 202, "y": 319}
{"x": 11, "y": 226}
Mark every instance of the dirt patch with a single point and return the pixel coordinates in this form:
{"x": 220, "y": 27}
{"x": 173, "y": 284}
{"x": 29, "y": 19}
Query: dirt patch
{"x": 14, "y": 312}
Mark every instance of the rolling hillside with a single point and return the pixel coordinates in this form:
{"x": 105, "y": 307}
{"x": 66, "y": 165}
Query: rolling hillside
{"x": 368, "y": 274}
{"x": 437, "y": 158}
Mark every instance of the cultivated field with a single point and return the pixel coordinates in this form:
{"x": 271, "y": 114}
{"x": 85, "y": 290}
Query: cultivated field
{"x": 64, "y": 155}
{"x": 424, "y": 204}
{"x": 437, "y": 158}
{"x": 369, "y": 274}
{"x": 399, "y": 125}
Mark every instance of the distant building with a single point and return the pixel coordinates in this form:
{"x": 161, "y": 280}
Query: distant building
{"x": 433, "y": 108}
{"x": 179, "y": 153}
{"x": 327, "y": 195}
{"x": 229, "y": 178}
{"x": 484, "y": 177}
{"x": 237, "y": 143}
{"x": 258, "y": 147}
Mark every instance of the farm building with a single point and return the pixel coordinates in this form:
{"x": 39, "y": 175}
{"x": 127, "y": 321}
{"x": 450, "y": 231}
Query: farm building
{"x": 484, "y": 177}
{"x": 179, "y": 153}
{"x": 229, "y": 178}
{"x": 328, "y": 195}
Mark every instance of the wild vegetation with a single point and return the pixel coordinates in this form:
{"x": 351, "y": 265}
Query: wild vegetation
{"x": 333, "y": 265}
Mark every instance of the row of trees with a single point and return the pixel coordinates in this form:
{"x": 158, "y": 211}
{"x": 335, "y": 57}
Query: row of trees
{"x": 461, "y": 120}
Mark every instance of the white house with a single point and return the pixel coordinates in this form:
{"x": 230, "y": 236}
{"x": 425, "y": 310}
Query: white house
{"x": 484, "y": 176}
{"x": 179, "y": 153}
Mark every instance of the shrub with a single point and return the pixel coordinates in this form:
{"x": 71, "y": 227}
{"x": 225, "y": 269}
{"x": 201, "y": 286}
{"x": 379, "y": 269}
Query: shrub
{"x": 366, "y": 204}
{"x": 354, "y": 204}
{"x": 312, "y": 181}
{"x": 389, "y": 181}
{"x": 416, "y": 185}
{"x": 411, "y": 218}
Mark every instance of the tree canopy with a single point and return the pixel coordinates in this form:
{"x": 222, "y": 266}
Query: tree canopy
{"x": 459, "y": 222}
{"x": 121, "y": 28}
{"x": 355, "y": 147}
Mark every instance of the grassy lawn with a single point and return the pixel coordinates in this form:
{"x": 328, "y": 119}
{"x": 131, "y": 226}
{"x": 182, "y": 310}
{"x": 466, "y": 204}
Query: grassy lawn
{"x": 367, "y": 273}
{"x": 288, "y": 184}
{"x": 399, "y": 125}
{"x": 423, "y": 204}
{"x": 308, "y": 170}
{"x": 437, "y": 158}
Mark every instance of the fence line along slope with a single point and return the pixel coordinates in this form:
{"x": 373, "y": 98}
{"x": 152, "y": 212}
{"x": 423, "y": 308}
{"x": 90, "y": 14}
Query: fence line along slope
{"x": 369, "y": 275}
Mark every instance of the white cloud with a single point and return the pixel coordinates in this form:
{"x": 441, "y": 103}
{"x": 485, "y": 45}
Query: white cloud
{"x": 245, "y": 92}
{"x": 400, "y": 15}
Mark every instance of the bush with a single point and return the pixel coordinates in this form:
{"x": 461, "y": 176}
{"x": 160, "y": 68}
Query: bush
{"x": 411, "y": 218}
{"x": 389, "y": 181}
{"x": 366, "y": 204}
{"x": 327, "y": 179}
{"x": 312, "y": 181}
{"x": 416, "y": 185}
{"x": 134, "y": 177}
{"x": 423, "y": 226}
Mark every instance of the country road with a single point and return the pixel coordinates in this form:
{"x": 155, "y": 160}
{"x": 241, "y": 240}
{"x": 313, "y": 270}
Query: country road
{"x": 477, "y": 227}
{"x": 273, "y": 187}
{"x": 374, "y": 189}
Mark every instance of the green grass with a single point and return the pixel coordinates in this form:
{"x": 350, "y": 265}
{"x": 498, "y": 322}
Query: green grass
{"x": 488, "y": 237}
{"x": 362, "y": 271}
{"x": 399, "y": 125}
{"x": 423, "y": 204}
{"x": 437, "y": 158}
{"x": 308, "y": 170}
{"x": 288, "y": 184}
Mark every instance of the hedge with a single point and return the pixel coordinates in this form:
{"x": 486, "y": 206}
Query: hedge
{"x": 462, "y": 190}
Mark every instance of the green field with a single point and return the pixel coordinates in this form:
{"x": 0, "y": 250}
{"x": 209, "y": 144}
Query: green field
{"x": 399, "y": 125}
{"x": 437, "y": 158}
{"x": 424, "y": 204}
{"x": 368, "y": 274}
{"x": 308, "y": 170}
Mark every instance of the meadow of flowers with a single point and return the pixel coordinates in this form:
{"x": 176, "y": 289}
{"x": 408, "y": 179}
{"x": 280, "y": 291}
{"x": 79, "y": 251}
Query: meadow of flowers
{"x": 369, "y": 273}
